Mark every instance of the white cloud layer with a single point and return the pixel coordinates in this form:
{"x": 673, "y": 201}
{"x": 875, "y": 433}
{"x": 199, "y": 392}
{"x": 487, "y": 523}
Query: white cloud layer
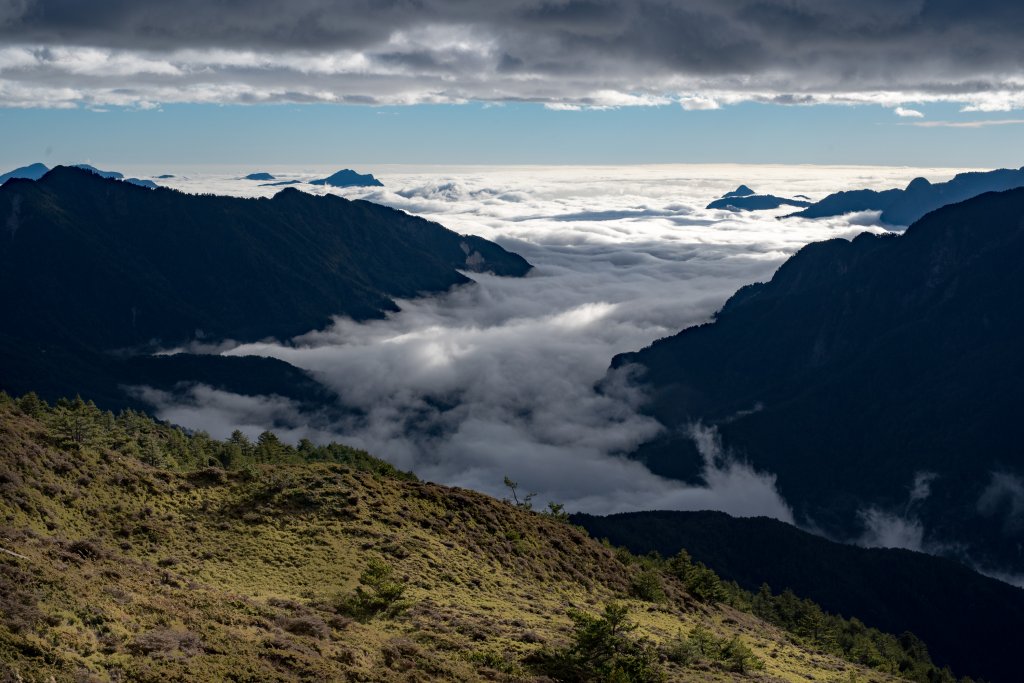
{"x": 497, "y": 378}
{"x": 563, "y": 53}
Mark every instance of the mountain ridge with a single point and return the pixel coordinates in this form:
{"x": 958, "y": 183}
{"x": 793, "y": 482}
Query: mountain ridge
{"x": 903, "y": 207}
{"x": 348, "y": 178}
{"x": 969, "y": 621}
{"x": 31, "y": 172}
{"x": 93, "y": 266}
{"x": 843, "y": 341}
{"x": 745, "y": 199}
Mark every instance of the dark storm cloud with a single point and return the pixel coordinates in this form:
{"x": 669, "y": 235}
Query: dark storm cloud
{"x": 702, "y": 53}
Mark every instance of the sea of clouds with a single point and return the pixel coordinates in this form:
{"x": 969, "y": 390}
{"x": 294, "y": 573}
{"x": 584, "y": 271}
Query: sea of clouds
{"x": 498, "y": 378}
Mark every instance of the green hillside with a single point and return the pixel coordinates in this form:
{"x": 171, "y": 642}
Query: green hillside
{"x": 134, "y": 551}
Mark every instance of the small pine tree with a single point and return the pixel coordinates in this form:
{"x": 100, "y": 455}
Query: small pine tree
{"x": 738, "y": 657}
{"x": 680, "y": 565}
{"x": 646, "y": 585}
{"x": 704, "y": 584}
{"x": 75, "y": 423}
{"x": 378, "y": 592}
{"x": 557, "y": 511}
{"x": 681, "y": 651}
{"x": 763, "y": 603}
{"x": 32, "y": 405}
{"x": 703, "y": 643}
{"x": 269, "y": 448}
{"x": 606, "y": 650}
{"x": 527, "y": 502}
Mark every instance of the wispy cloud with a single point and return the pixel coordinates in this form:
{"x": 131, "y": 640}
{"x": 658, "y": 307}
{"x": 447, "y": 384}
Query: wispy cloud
{"x": 907, "y": 113}
{"x": 966, "y": 124}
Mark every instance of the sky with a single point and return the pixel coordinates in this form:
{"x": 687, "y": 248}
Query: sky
{"x": 893, "y": 82}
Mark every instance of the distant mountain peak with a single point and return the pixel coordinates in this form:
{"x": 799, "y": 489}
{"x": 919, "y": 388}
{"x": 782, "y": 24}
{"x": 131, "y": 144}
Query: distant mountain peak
{"x": 31, "y": 172}
{"x": 921, "y": 196}
{"x": 103, "y": 174}
{"x": 754, "y": 202}
{"x": 918, "y": 184}
{"x": 260, "y": 175}
{"x": 348, "y": 178}
{"x": 741, "y": 191}
{"x": 289, "y": 193}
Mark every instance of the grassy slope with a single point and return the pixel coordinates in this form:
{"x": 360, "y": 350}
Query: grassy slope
{"x": 132, "y": 572}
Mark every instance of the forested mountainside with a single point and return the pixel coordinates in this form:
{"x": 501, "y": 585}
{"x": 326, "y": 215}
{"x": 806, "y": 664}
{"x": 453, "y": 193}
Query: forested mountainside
{"x": 94, "y": 270}
{"x": 970, "y": 622}
{"x": 878, "y": 379}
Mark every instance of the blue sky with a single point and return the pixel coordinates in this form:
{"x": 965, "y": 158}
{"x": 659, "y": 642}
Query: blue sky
{"x": 454, "y": 82}
{"x": 520, "y": 133}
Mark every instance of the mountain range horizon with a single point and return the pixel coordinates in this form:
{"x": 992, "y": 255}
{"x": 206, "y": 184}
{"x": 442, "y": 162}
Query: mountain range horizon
{"x": 545, "y": 341}
{"x": 152, "y": 394}
{"x": 206, "y": 371}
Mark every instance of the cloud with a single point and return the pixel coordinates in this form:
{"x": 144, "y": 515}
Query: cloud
{"x": 732, "y": 486}
{"x": 889, "y": 529}
{"x": 217, "y": 412}
{"x": 921, "y": 488}
{"x": 1006, "y": 577}
{"x": 983, "y": 123}
{"x": 698, "y": 103}
{"x": 562, "y": 53}
{"x": 884, "y": 529}
{"x": 1004, "y": 497}
{"x": 497, "y": 378}
{"x": 907, "y": 113}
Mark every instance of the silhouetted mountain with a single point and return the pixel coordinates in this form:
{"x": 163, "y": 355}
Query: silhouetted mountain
{"x": 348, "y": 178}
{"x": 259, "y": 176}
{"x": 903, "y": 207}
{"x": 969, "y": 622}
{"x": 741, "y": 191}
{"x": 142, "y": 183}
{"x": 165, "y": 176}
{"x": 93, "y": 265}
{"x": 847, "y": 202}
{"x": 281, "y": 183}
{"x": 745, "y": 199}
{"x": 31, "y": 172}
{"x": 48, "y": 368}
{"x": 754, "y": 202}
{"x": 103, "y": 174}
{"x": 879, "y": 379}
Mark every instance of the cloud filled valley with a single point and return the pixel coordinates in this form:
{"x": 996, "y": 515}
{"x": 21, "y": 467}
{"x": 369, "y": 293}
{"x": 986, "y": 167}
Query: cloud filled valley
{"x": 507, "y": 376}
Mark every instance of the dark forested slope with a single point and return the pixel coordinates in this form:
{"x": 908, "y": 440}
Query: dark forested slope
{"x": 89, "y": 266}
{"x": 863, "y": 368}
{"x": 970, "y": 622}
